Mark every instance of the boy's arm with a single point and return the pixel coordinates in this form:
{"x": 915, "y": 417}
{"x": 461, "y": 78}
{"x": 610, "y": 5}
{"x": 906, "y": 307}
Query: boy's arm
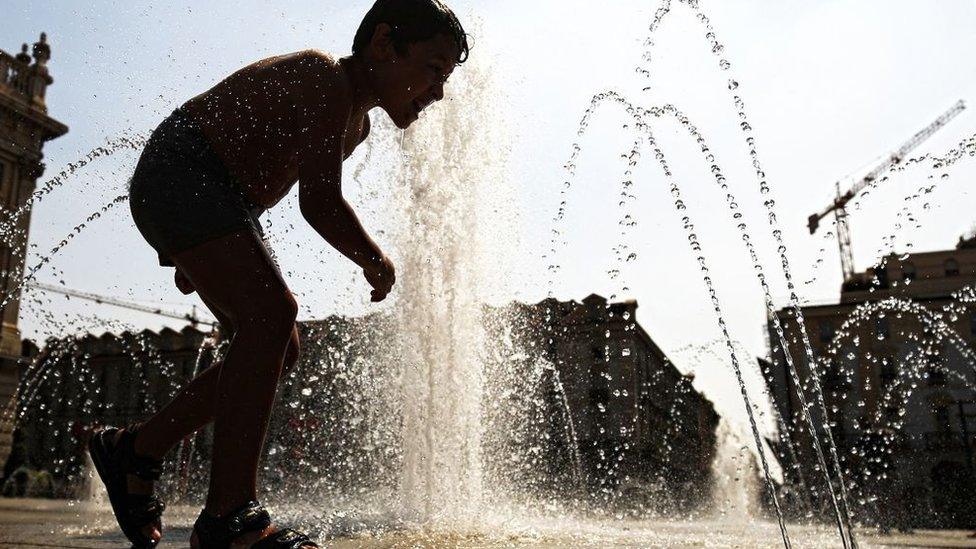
{"x": 326, "y": 210}
{"x": 323, "y": 206}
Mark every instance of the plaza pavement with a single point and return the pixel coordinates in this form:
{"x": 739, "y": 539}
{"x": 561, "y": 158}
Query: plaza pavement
{"x": 35, "y": 523}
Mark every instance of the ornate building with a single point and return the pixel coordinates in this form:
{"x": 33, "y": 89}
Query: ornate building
{"x": 82, "y": 382}
{"x": 642, "y": 429}
{"x": 608, "y": 403}
{"x": 581, "y": 387}
{"x": 896, "y": 364}
{"x": 24, "y": 128}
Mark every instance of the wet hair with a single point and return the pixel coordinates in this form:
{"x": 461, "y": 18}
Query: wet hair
{"x": 411, "y": 21}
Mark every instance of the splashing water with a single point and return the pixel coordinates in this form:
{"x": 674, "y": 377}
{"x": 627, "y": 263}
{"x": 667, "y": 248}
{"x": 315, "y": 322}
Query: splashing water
{"x": 736, "y": 491}
{"x": 438, "y": 308}
{"x": 450, "y": 401}
{"x": 44, "y": 260}
{"x": 14, "y": 225}
{"x": 843, "y": 511}
{"x": 639, "y": 114}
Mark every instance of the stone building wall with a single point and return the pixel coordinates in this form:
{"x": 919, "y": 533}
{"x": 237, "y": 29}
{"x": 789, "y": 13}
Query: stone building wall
{"x": 898, "y": 384}
{"x": 24, "y": 128}
{"x": 641, "y": 431}
{"x": 76, "y": 384}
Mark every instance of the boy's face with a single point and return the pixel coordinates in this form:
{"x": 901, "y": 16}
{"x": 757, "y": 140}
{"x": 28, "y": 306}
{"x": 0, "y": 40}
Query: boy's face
{"x": 408, "y": 83}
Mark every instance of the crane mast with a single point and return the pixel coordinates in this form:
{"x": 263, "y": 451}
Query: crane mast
{"x": 839, "y": 205}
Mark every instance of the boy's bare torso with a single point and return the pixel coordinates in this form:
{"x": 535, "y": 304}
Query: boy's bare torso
{"x": 261, "y": 118}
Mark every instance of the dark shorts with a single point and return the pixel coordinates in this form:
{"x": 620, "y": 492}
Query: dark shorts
{"x": 181, "y": 195}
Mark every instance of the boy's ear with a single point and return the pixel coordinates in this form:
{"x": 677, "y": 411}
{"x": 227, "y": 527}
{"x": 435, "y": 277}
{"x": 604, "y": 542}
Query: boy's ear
{"x": 381, "y": 45}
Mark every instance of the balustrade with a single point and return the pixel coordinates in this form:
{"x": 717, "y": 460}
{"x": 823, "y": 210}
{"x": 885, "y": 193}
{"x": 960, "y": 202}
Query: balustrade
{"x": 20, "y": 78}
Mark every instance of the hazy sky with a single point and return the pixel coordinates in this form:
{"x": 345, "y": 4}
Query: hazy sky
{"x": 829, "y": 86}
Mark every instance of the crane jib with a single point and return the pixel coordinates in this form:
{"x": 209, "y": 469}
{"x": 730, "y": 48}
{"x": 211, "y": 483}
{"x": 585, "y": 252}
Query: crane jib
{"x": 839, "y": 204}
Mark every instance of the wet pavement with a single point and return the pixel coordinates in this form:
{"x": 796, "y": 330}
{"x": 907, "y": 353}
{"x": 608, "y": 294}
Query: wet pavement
{"x": 34, "y": 523}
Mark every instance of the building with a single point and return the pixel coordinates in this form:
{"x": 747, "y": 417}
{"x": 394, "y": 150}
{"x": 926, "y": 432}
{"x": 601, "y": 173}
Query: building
{"x": 24, "y": 128}
{"x": 897, "y": 369}
{"x": 643, "y": 431}
{"x": 609, "y": 415}
{"x": 612, "y": 417}
{"x": 75, "y": 384}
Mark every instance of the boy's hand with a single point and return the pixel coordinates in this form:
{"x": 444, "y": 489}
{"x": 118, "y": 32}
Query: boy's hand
{"x": 381, "y": 276}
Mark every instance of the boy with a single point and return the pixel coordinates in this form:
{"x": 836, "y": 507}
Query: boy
{"x": 205, "y": 176}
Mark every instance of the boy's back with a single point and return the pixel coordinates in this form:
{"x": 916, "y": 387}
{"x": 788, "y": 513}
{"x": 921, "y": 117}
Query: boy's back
{"x": 260, "y": 119}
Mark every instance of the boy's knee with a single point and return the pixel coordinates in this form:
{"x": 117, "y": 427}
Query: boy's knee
{"x": 287, "y": 310}
{"x": 277, "y": 313}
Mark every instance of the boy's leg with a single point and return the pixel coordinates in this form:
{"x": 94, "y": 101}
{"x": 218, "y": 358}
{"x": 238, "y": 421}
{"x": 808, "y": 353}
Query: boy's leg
{"x": 191, "y": 409}
{"x": 193, "y": 406}
{"x": 236, "y": 275}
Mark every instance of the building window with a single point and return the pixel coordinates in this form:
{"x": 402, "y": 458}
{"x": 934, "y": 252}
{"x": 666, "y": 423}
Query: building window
{"x": 937, "y": 377}
{"x": 599, "y": 395}
{"x": 881, "y": 277}
{"x": 881, "y": 327}
{"x": 889, "y": 372}
{"x": 598, "y": 353}
{"x": 832, "y": 377}
{"x": 599, "y": 392}
{"x": 826, "y": 331}
{"x": 951, "y": 267}
{"x": 908, "y": 272}
{"x": 942, "y": 418}
{"x": 936, "y": 371}
{"x": 832, "y": 380}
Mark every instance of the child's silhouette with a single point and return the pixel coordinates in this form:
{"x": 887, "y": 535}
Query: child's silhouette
{"x": 208, "y": 171}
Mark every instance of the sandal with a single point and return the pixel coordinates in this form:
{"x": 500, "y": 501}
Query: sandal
{"x": 113, "y": 453}
{"x": 218, "y": 533}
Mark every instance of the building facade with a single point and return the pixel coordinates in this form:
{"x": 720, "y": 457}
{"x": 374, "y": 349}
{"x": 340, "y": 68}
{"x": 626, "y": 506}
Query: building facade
{"x": 24, "y": 128}
{"x": 611, "y": 416}
{"x": 609, "y": 407}
{"x": 644, "y": 433}
{"x": 75, "y": 384}
{"x": 896, "y": 365}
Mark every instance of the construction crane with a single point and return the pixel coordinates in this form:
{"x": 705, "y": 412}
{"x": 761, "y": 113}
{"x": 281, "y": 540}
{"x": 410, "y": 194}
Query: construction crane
{"x": 191, "y": 317}
{"x": 839, "y": 206}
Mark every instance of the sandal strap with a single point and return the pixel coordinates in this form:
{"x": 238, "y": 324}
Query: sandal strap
{"x": 285, "y": 539}
{"x": 145, "y": 509}
{"x": 111, "y": 451}
{"x": 219, "y": 532}
{"x": 144, "y": 467}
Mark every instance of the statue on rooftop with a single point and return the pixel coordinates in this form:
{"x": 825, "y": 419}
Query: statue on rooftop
{"x": 42, "y": 51}
{"x": 23, "y": 56}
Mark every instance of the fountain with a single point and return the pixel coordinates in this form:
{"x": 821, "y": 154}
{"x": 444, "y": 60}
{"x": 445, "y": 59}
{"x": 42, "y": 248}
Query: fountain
{"x": 439, "y": 421}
